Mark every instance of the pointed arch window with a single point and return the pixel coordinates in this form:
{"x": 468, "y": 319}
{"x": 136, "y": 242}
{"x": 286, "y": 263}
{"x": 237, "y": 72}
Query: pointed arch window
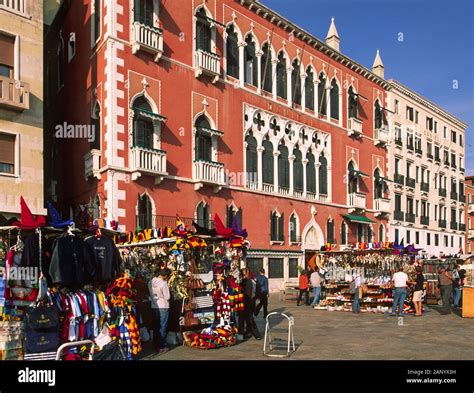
{"x": 381, "y": 233}
{"x": 267, "y": 162}
{"x": 281, "y": 76}
{"x": 353, "y": 183}
{"x": 96, "y": 127}
{"x": 334, "y": 100}
{"x": 266, "y": 68}
{"x": 283, "y": 167}
{"x": 378, "y": 185}
{"x": 330, "y": 232}
{"x": 276, "y": 227}
{"x": 145, "y": 213}
{"x": 298, "y": 170}
{"x": 232, "y": 52}
{"x": 293, "y": 229}
{"x": 353, "y": 104}
{"x": 203, "y": 140}
{"x": 310, "y": 173}
{"x": 309, "y": 89}
{"x": 251, "y": 62}
{"x": 231, "y": 212}
{"x": 343, "y": 233}
{"x": 203, "y": 31}
{"x": 378, "y": 115}
{"x": 323, "y": 175}
{"x": 322, "y": 96}
{"x": 143, "y": 129}
{"x": 202, "y": 215}
{"x": 251, "y": 158}
{"x": 296, "y": 82}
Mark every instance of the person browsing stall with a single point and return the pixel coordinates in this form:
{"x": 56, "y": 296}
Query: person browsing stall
{"x": 316, "y": 280}
{"x": 399, "y": 280}
{"x": 160, "y": 304}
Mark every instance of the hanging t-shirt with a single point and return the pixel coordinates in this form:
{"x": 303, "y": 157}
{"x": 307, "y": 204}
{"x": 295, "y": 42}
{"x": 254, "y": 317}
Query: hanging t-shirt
{"x": 107, "y": 259}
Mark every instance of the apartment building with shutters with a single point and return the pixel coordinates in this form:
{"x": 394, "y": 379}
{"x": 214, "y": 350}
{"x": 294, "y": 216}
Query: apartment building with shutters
{"x": 219, "y": 106}
{"x": 21, "y": 106}
{"x": 469, "y": 185}
{"x": 427, "y": 165}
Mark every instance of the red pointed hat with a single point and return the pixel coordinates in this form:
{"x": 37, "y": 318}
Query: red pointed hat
{"x": 27, "y": 220}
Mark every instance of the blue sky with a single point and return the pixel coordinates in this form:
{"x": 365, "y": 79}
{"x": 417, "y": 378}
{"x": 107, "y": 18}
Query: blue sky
{"x": 437, "y": 47}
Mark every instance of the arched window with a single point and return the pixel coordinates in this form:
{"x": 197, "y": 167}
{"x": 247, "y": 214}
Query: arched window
{"x": 144, "y": 12}
{"x": 352, "y": 104}
{"x": 95, "y": 123}
{"x": 281, "y": 76}
{"x": 309, "y": 89}
{"x": 370, "y": 234}
{"x": 334, "y": 99}
{"x": 276, "y": 227}
{"x": 378, "y": 185}
{"x": 266, "y": 68}
{"x": 251, "y": 158}
{"x": 293, "y": 228}
{"x": 296, "y": 82}
{"x": 203, "y": 141}
{"x": 381, "y": 233}
{"x": 203, "y": 31}
{"x": 323, "y": 175}
{"x": 231, "y": 212}
{"x": 202, "y": 215}
{"x": 145, "y": 213}
{"x": 298, "y": 170}
{"x": 330, "y": 232}
{"x": 343, "y": 233}
{"x": 378, "y": 115}
{"x": 143, "y": 128}
{"x": 310, "y": 173}
{"x": 267, "y": 162}
{"x": 283, "y": 167}
{"x": 251, "y": 65}
{"x": 353, "y": 183}
{"x": 232, "y": 52}
{"x": 322, "y": 97}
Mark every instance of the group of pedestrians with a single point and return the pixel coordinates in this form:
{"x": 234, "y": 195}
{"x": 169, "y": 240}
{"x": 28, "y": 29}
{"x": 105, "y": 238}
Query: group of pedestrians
{"x": 315, "y": 280}
{"x": 450, "y": 284}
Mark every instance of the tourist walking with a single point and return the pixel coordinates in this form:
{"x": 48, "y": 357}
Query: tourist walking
{"x": 458, "y": 275}
{"x": 399, "y": 280}
{"x": 355, "y": 288}
{"x": 418, "y": 291}
{"x": 249, "y": 288}
{"x": 316, "y": 281}
{"x": 262, "y": 293}
{"x": 304, "y": 288}
{"x": 445, "y": 282}
{"x": 160, "y": 306}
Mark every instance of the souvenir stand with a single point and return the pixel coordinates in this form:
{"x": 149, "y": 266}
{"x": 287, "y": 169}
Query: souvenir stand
{"x": 205, "y": 280}
{"x": 376, "y": 263}
{"x": 47, "y": 300}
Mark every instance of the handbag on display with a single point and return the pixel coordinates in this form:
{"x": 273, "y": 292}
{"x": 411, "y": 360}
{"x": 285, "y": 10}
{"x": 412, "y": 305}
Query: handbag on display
{"x": 104, "y": 337}
{"x": 111, "y": 351}
{"x": 42, "y": 317}
{"x": 41, "y": 341}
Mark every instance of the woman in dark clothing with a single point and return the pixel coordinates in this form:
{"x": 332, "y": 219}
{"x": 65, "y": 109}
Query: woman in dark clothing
{"x": 249, "y": 288}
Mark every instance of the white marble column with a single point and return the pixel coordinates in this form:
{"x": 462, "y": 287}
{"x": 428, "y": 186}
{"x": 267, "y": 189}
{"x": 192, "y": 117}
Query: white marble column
{"x": 274, "y": 78}
{"x": 303, "y": 91}
{"x": 260, "y": 150}
{"x": 291, "y": 159}
{"x": 276, "y": 154}
{"x": 242, "y": 46}
{"x": 289, "y": 90}
{"x": 305, "y": 162}
{"x": 259, "y": 55}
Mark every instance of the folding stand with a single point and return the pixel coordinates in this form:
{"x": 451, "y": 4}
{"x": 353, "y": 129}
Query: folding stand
{"x": 268, "y": 337}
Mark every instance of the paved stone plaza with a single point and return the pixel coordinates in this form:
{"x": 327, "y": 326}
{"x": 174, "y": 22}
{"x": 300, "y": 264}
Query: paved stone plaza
{"x": 324, "y": 335}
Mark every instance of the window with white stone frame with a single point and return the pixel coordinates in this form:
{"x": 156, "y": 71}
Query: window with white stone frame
{"x": 9, "y": 154}
{"x": 277, "y": 227}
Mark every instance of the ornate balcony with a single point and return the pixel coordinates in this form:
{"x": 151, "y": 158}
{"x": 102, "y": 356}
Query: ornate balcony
{"x": 410, "y": 182}
{"x": 283, "y": 190}
{"x": 424, "y": 220}
{"x": 268, "y": 187}
{"x": 410, "y": 217}
{"x": 398, "y": 142}
{"x": 381, "y": 136}
{"x": 454, "y": 226}
{"x": 429, "y": 156}
{"x": 382, "y": 206}
{"x": 208, "y": 172}
{"x": 208, "y": 64}
{"x": 147, "y": 39}
{"x": 442, "y": 224}
{"x": 14, "y": 94}
{"x": 355, "y": 127}
{"x": 425, "y": 187}
{"x": 462, "y": 227}
{"x": 399, "y": 216}
{"x": 92, "y": 164}
{"x": 399, "y": 179}
{"x": 442, "y": 192}
{"x": 470, "y": 234}
{"x": 147, "y": 161}
{"x": 356, "y": 201}
{"x": 453, "y": 195}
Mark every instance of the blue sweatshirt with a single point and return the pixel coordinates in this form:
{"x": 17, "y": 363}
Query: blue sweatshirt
{"x": 263, "y": 281}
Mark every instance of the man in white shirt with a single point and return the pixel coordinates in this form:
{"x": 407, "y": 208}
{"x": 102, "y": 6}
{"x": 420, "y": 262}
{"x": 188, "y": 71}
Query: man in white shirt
{"x": 316, "y": 280}
{"x": 160, "y": 305}
{"x": 399, "y": 279}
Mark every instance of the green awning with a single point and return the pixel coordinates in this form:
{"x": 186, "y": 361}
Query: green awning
{"x": 359, "y": 173}
{"x": 384, "y": 179}
{"x": 358, "y": 219}
{"x": 149, "y": 115}
{"x": 210, "y": 131}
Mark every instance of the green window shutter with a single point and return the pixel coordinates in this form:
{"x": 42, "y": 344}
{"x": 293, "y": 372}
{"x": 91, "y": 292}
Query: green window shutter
{"x": 281, "y": 226}
{"x": 334, "y": 100}
{"x": 309, "y": 91}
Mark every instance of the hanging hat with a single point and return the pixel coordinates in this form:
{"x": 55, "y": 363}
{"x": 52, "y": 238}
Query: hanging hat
{"x": 221, "y": 229}
{"x": 27, "y": 220}
{"x": 236, "y": 228}
{"x": 56, "y": 220}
